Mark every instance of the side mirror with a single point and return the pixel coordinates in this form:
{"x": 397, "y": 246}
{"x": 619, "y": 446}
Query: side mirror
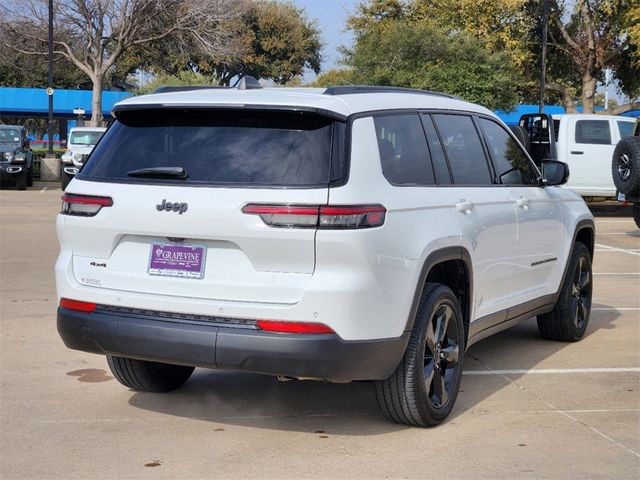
{"x": 554, "y": 172}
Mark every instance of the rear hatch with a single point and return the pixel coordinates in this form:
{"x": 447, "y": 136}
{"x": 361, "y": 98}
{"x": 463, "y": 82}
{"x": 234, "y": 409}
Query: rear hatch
{"x": 179, "y": 179}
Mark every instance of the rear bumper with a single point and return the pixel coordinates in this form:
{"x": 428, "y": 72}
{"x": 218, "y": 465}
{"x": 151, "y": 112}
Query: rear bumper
{"x": 153, "y": 338}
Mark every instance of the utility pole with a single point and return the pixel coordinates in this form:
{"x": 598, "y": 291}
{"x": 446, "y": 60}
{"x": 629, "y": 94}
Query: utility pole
{"x": 543, "y": 66}
{"x": 50, "y": 80}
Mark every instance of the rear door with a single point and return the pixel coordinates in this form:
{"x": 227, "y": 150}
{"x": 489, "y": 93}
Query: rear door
{"x": 485, "y": 213}
{"x": 230, "y": 159}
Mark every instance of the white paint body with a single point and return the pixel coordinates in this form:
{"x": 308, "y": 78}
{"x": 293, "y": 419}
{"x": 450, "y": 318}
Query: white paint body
{"x": 74, "y": 149}
{"x": 589, "y": 164}
{"x": 361, "y": 283}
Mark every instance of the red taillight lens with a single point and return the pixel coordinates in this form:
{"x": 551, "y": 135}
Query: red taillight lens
{"x": 312, "y": 216}
{"x": 293, "y": 327}
{"x": 84, "y": 205}
{"x": 77, "y": 305}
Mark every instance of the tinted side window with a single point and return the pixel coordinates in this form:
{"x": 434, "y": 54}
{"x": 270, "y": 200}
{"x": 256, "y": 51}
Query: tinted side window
{"x": 464, "y": 150}
{"x": 403, "y": 150}
{"x": 438, "y": 159}
{"x": 625, "y": 128}
{"x": 509, "y": 161}
{"x": 595, "y": 132}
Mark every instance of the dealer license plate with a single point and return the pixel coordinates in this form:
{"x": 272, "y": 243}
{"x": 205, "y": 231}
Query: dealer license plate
{"x": 177, "y": 260}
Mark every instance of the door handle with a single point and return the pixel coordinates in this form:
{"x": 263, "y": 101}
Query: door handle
{"x": 464, "y": 207}
{"x": 522, "y": 203}
{"x": 574, "y": 152}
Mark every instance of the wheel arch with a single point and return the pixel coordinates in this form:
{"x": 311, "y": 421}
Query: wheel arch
{"x": 450, "y": 266}
{"x": 584, "y": 232}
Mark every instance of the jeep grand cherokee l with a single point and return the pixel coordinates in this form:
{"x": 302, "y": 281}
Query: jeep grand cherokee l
{"x": 348, "y": 233}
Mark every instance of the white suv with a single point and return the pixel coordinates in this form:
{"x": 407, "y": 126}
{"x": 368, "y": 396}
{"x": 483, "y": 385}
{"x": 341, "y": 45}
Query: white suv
{"x": 352, "y": 233}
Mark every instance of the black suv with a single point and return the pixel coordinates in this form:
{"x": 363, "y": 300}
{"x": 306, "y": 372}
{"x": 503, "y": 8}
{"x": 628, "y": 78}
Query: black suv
{"x": 16, "y": 159}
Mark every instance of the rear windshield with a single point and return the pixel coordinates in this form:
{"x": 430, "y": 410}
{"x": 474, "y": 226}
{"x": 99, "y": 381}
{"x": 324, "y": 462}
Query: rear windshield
{"x": 221, "y": 147}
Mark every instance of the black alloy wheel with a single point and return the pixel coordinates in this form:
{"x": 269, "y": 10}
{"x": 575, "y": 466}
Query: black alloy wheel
{"x": 423, "y": 389}
{"x": 442, "y": 350}
{"x": 569, "y": 318}
{"x": 581, "y": 293}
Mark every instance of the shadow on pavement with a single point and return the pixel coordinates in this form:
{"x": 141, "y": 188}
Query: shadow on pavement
{"x": 258, "y": 401}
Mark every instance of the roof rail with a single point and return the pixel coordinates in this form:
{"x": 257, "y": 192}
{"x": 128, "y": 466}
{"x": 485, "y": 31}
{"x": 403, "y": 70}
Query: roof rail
{"x": 246, "y": 82}
{"x": 184, "y": 88}
{"x": 354, "y": 89}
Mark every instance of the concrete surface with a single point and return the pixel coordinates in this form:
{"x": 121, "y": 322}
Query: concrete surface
{"x": 528, "y": 408}
{"x": 50, "y": 169}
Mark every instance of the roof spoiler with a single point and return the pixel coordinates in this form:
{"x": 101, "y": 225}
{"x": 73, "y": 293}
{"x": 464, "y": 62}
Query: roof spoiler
{"x": 245, "y": 82}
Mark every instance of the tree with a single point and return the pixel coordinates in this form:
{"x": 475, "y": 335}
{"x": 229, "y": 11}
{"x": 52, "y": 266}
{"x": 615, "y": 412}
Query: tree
{"x": 589, "y": 38}
{"x": 94, "y": 34}
{"x": 335, "y": 76}
{"x": 182, "y": 78}
{"x": 404, "y": 52}
{"x": 275, "y": 42}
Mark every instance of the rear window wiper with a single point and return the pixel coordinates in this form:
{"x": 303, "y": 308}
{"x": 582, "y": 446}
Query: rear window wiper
{"x": 159, "y": 172}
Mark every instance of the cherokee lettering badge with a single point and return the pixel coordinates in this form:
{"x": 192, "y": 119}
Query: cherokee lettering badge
{"x": 172, "y": 207}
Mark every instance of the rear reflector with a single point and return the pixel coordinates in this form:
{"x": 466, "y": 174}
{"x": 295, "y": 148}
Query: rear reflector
{"x": 293, "y": 327}
{"x": 84, "y": 205}
{"x": 77, "y": 305}
{"x": 316, "y": 216}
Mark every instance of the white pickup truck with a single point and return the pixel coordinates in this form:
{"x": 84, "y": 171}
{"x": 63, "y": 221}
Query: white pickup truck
{"x": 583, "y": 141}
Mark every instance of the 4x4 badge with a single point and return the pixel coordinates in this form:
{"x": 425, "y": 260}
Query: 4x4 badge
{"x": 179, "y": 207}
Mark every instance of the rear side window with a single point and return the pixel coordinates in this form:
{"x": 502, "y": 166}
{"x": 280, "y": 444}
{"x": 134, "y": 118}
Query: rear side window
{"x": 625, "y": 128}
{"x": 222, "y": 147}
{"x": 464, "y": 150}
{"x": 509, "y": 161}
{"x": 403, "y": 150}
{"x": 594, "y": 132}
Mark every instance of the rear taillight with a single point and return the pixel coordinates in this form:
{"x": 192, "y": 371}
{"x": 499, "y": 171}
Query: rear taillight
{"x": 316, "y": 216}
{"x": 77, "y": 305}
{"x": 83, "y": 205}
{"x": 293, "y": 327}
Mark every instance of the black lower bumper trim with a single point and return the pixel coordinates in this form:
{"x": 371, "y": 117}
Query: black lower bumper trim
{"x": 212, "y": 346}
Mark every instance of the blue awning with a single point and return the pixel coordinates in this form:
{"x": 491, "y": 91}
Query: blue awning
{"x": 34, "y": 102}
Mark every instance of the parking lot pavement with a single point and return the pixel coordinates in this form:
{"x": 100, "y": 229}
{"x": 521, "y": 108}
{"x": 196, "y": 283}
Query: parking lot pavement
{"x": 528, "y": 408}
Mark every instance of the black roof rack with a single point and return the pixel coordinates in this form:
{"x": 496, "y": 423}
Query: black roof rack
{"x": 184, "y": 88}
{"x": 246, "y": 82}
{"x": 354, "y": 89}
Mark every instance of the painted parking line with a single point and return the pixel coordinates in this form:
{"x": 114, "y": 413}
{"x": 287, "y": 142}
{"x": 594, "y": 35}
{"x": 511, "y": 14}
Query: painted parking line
{"x": 615, "y": 249}
{"x": 542, "y": 371}
{"x": 616, "y": 273}
{"x": 614, "y": 309}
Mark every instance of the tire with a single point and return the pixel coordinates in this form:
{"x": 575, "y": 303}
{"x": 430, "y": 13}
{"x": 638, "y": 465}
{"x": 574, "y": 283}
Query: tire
{"x": 144, "y": 376}
{"x": 30, "y": 177}
{"x": 625, "y": 166}
{"x": 21, "y": 180}
{"x": 568, "y": 320}
{"x": 636, "y": 213}
{"x": 64, "y": 180}
{"x": 422, "y": 392}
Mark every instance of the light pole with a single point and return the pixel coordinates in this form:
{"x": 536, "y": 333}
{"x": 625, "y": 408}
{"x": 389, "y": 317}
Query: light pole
{"x": 50, "y": 80}
{"x": 543, "y": 66}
